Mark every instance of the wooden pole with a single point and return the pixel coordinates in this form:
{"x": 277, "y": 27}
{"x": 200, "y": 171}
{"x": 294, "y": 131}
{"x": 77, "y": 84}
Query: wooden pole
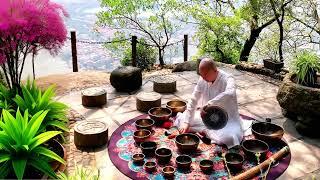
{"x": 185, "y": 48}
{"x": 74, "y": 51}
{"x": 134, "y": 51}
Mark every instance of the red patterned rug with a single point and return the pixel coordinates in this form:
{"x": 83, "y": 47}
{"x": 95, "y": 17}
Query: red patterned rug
{"x": 122, "y": 147}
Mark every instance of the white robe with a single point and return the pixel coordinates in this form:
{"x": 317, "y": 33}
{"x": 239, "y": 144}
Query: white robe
{"x": 222, "y": 93}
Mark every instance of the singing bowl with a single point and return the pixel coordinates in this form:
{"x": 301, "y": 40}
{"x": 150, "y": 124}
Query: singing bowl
{"x": 206, "y": 166}
{"x": 150, "y": 166}
{"x": 144, "y": 124}
{"x": 163, "y": 155}
{"x": 148, "y": 148}
{"x": 234, "y": 161}
{"x": 252, "y": 146}
{"x": 141, "y": 135}
{"x": 176, "y": 106}
{"x": 160, "y": 115}
{"x": 187, "y": 142}
{"x": 267, "y": 132}
{"x": 138, "y": 158}
{"x": 183, "y": 162}
{"x": 215, "y": 117}
{"x": 168, "y": 172}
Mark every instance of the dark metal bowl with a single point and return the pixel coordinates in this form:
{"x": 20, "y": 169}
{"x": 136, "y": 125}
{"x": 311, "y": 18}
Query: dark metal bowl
{"x": 138, "y": 159}
{"x": 252, "y": 146}
{"x": 168, "y": 172}
{"x": 176, "y": 106}
{"x": 141, "y": 135}
{"x": 163, "y": 155}
{"x": 144, "y": 124}
{"x": 234, "y": 161}
{"x": 160, "y": 115}
{"x": 150, "y": 166}
{"x": 206, "y": 166}
{"x": 148, "y": 148}
{"x": 215, "y": 117}
{"x": 267, "y": 132}
{"x": 183, "y": 162}
{"x": 187, "y": 143}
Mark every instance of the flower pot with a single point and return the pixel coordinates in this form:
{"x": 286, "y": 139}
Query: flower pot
{"x": 309, "y": 82}
{"x": 273, "y": 65}
{"x": 58, "y": 148}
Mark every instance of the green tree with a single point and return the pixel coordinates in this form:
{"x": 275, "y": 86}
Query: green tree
{"x": 152, "y": 20}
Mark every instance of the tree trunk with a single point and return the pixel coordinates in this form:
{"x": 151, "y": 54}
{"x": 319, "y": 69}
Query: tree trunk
{"x": 34, "y": 74}
{"x": 161, "y": 53}
{"x": 280, "y": 42}
{"x": 248, "y": 45}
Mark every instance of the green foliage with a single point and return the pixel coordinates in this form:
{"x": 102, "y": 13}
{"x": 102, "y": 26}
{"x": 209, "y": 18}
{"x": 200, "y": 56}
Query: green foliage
{"x": 146, "y": 56}
{"x": 6, "y": 98}
{"x": 34, "y": 100}
{"x": 21, "y": 144}
{"x": 304, "y": 64}
{"x": 80, "y": 174}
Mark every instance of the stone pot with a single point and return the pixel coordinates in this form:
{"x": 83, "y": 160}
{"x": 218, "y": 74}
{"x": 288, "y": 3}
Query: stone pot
{"x": 273, "y": 65}
{"x": 302, "y": 102}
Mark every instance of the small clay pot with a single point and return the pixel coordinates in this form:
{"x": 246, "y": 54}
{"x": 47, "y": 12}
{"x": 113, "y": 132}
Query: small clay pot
{"x": 168, "y": 172}
{"x": 163, "y": 155}
{"x": 206, "y": 166}
{"x": 144, "y": 124}
{"x": 150, "y": 166}
{"x": 183, "y": 162}
{"x": 148, "y": 148}
{"x": 138, "y": 159}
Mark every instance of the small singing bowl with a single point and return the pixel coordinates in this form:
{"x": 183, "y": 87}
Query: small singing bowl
{"x": 234, "y": 161}
{"x": 267, "y": 132}
{"x": 160, "y": 115}
{"x": 252, "y": 146}
{"x": 163, "y": 155}
{"x": 176, "y": 106}
{"x": 148, "y": 148}
{"x": 183, "y": 162}
{"x": 187, "y": 142}
{"x": 150, "y": 166}
{"x": 206, "y": 166}
{"x": 141, "y": 135}
{"x": 138, "y": 159}
{"x": 144, "y": 124}
{"x": 168, "y": 172}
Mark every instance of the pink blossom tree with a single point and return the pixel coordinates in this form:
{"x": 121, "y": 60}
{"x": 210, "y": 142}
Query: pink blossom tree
{"x": 26, "y": 26}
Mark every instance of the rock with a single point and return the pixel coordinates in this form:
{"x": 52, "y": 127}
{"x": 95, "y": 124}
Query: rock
{"x": 126, "y": 79}
{"x": 185, "y": 66}
{"x": 311, "y": 131}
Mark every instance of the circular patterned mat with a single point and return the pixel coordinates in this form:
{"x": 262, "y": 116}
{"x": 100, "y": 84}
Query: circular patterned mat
{"x": 122, "y": 147}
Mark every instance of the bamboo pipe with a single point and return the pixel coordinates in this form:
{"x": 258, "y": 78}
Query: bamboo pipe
{"x": 250, "y": 173}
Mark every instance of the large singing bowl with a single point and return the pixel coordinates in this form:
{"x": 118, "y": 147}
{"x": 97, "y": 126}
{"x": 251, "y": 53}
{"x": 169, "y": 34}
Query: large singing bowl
{"x": 160, "y": 115}
{"x": 187, "y": 143}
{"x": 176, "y": 106}
{"x": 267, "y": 132}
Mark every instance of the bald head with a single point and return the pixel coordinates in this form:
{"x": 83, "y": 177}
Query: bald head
{"x": 208, "y": 69}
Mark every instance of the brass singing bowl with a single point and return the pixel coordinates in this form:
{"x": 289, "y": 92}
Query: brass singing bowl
{"x": 163, "y": 155}
{"x": 187, "y": 142}
{"x": 138, "y": 158}
{"x": 267, "y": 132}
{"x": 183, "y": 162}
{"x": 148, "y": 148}
{"x": 141, "y": 135}
{"x": 168, "y": 171}
{"x": 206, "y": 165}
{"x": 160, "y": 115}
{"x": 150, "y": 166}
{"x": 176, "y": 106}
{"x": 234, "y": 161}
{"x": 252, "y": 146}
{"x": 144, "y": 124}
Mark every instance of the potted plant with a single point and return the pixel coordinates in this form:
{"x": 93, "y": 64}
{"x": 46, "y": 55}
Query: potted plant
{"x": 269, "y": 51}
{"x": 305, "y": 66}
{"x": 22, "y": 150}
{"x": 273, "y": 65}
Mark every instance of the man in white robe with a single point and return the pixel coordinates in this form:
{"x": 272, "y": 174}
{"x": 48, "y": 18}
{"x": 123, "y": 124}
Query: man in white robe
{"x": 214, "y": 87}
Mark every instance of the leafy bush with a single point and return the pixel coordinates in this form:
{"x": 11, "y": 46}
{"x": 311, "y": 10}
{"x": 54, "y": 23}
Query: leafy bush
{"x": 146, "y": 56}
{"x": 80, "y": 174}
{"x": 6, "y": 98}
{"x": 305, "y": 66}
{"x": 21, "y": 144}
{"x": 34, "y": 100}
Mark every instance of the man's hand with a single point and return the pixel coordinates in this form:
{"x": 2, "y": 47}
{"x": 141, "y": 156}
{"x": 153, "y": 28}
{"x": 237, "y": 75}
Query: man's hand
{"x": 203, "y": 112}
{"x": 183, "y": 128}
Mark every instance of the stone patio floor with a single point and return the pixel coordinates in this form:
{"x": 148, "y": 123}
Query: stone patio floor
{"x": 256, "y": 98}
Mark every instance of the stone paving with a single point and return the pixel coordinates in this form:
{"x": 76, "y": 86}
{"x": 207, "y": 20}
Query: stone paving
{"x": 256, "y": 98}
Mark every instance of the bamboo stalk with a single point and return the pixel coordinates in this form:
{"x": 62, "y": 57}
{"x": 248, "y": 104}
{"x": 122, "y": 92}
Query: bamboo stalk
{"x": 265, "y": 164}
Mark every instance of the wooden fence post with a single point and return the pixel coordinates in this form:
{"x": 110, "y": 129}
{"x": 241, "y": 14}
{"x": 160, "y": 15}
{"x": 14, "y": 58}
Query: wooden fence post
{"x": 185, "y": 48}
{"x": 74, "y": 51}
{"x": 134, "y": 50}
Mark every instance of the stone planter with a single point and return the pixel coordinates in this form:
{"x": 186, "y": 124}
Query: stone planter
{"x": 301, "y": 103}
{"x": 273, "y": 65}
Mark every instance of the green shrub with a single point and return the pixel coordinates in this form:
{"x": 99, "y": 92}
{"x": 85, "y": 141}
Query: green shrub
{"x": 34, "y": 100}
{"x": 304, "y": 65}
{"x": 6, "y": 98}
{"x": 146, "y": 56}
{"x": 21, "y": 144}
{"x": 80, "y": 174}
